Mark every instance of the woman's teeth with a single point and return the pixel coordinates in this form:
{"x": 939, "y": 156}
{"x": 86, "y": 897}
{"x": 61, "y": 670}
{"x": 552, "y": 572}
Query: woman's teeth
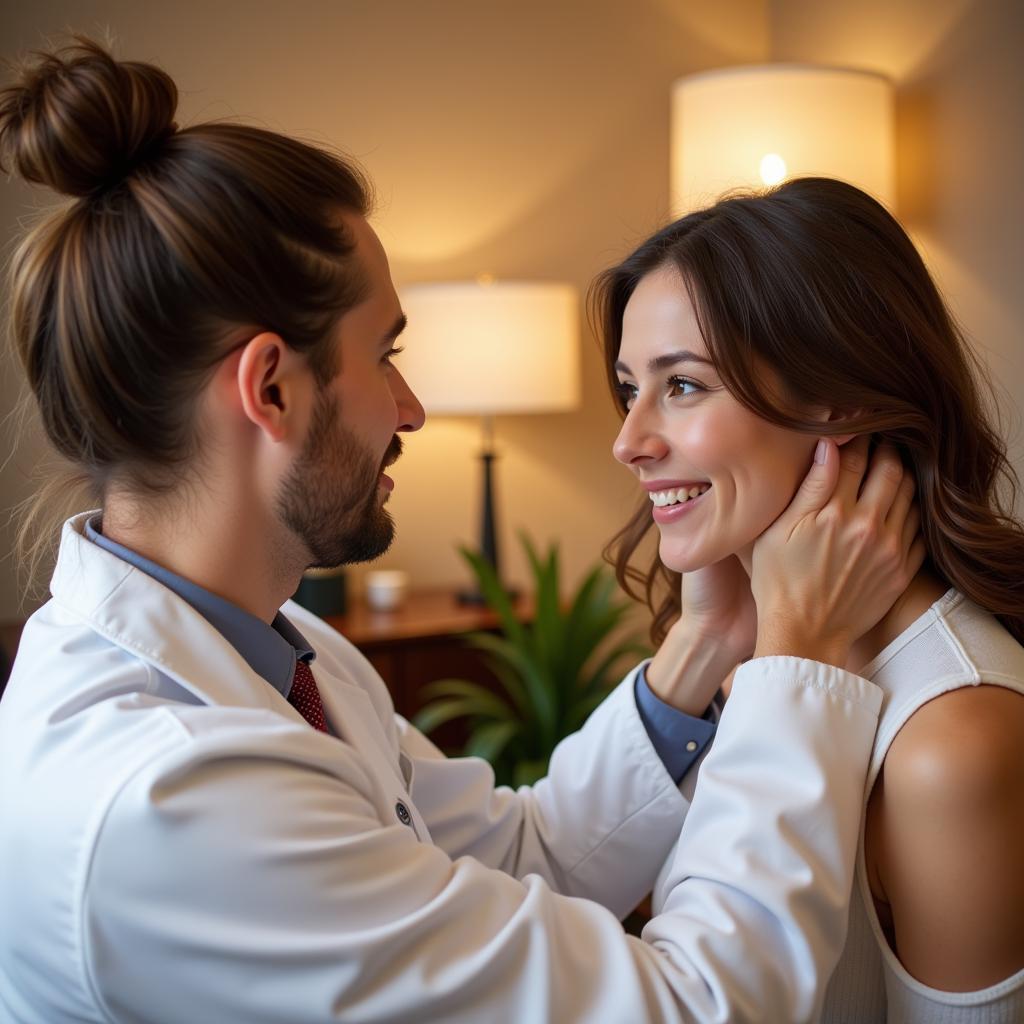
{"x": 674, "y": 497}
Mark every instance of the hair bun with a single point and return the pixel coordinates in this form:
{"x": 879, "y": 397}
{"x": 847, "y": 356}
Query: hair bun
{"x": 78, "y": 121}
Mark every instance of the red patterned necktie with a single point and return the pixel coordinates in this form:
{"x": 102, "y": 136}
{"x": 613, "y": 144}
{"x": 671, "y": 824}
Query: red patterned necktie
{"x": 305, "y": 697}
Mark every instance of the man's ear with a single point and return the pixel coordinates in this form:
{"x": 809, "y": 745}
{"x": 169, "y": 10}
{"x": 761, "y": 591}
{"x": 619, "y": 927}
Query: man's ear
{"x": 265, "y": 383}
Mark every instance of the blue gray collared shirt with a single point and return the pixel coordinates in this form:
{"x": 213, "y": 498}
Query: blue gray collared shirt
{"x": 272, "y": 650}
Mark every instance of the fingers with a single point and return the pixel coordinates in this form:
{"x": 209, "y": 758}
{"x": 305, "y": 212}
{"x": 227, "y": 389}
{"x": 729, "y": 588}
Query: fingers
{"x": 818, "y": 485}
{"x": 911, "y": 527}
{"x": 903, "y": 501}
{"x": 853, "y": 463}
{"x": 883, "y": 483}
{"x": 915, "y": 558}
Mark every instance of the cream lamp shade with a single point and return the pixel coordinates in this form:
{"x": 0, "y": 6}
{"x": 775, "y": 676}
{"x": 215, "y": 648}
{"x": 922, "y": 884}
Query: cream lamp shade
{"x": 487, "y": 348}
{"x": 492, "y": 347}
{"x": 762, "y": 124}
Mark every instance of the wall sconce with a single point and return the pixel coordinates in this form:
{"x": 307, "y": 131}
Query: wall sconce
{"x": 487, "y": 348}
{"x": 758, "y": 125}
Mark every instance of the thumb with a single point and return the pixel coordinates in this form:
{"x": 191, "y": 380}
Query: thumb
{"x": 820, "y": 482}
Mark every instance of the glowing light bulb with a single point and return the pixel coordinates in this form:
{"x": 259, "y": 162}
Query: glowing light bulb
{"x": 773, "y": 168}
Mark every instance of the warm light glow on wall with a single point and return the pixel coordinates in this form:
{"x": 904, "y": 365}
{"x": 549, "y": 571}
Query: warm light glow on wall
{"x": 492, "y": 347}
{"x": 488, "y": 348}
{"x": 759, "y": 125}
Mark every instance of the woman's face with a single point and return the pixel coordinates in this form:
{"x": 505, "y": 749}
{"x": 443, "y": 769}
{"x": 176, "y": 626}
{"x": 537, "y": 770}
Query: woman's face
{"x": 685, "y": 433}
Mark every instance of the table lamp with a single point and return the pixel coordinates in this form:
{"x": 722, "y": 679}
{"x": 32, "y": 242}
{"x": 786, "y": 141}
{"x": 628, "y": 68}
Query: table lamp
{"x": 488, "y": 348}
{"x": 758, "y": 125}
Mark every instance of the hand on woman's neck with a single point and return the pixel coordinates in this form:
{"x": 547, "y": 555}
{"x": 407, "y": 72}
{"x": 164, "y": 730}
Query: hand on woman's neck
{"x": 924, "y": 590}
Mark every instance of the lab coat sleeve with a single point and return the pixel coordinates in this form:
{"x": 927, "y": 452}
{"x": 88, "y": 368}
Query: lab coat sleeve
{"x": 256, "y": 882}
{"x": 600, "y": 825}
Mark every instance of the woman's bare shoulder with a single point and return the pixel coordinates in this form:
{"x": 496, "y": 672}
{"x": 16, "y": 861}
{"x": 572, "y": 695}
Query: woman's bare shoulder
{"x": 966, "y": 743}
{"x": 946, "y": 838}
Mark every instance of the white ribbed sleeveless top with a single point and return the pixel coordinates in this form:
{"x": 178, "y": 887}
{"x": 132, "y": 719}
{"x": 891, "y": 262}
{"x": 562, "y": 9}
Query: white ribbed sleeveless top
{"x": 954, "y": 644}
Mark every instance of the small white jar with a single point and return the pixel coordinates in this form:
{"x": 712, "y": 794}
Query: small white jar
{"x": 386, "y": 588}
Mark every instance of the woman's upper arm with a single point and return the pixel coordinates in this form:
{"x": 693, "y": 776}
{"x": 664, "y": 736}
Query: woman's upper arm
{"x": 947, "y": 837}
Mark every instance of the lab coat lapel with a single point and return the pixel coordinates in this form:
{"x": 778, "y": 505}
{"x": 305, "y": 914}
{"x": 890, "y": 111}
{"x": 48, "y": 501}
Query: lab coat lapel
{"x": 140, "y": 615}
{"x": 352, "y": 715}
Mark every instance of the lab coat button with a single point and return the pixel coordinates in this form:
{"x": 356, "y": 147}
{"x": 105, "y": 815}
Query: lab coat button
{"x": 691, "y": 746}
{"x": 403, "y": 813}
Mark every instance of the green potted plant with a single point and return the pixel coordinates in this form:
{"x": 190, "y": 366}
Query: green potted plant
{"x": 552, "y": 672}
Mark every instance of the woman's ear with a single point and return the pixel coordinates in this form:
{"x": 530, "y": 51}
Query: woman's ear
{"x": 835, "y": 418}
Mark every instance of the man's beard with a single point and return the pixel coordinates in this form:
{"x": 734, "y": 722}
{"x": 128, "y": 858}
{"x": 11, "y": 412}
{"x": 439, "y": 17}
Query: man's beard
{"x": 329, "y": 496}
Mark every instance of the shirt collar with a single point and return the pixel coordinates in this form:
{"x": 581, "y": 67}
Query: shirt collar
{"x": 270, "y": 651}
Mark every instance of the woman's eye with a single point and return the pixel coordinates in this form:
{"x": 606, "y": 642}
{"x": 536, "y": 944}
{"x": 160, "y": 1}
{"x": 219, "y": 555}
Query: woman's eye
{"x": 391, "y": 353}
{"x": 625, "y": 393}
{"x": 677, "y": 386}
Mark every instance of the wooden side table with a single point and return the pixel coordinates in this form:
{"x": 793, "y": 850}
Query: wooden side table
{"x": 421, "y": 641}
{"x": 411, "y": 646}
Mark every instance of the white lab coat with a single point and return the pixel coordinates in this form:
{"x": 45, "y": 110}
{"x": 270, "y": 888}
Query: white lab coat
{"x": 178, "y": 845}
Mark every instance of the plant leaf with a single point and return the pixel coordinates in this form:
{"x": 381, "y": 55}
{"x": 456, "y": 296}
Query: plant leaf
{"x": 597, "y": 676}
{"x": 584, "y": 709}
{"x": 600, "y": 624}
{"x": 548, "y": 626}
{"x": 503, "y": 664}
{"x": 483, "y": 701}
{"x": 553, "y": 670}
{"x": 496, "y": 596}
{"x": 540, "y": 698}
{"x": 526, "y": 773}
{"x": 490, "y": 739}
{"x": 584, "y": 596}
{"x": 428, "y": 718}
{"x": 591, "y": 605}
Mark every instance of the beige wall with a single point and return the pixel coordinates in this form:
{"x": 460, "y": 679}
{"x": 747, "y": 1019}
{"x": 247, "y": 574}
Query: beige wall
{"x": 524, "y": 139}
{"x": 531, "y": 139}
{"x": 960, "y": 122}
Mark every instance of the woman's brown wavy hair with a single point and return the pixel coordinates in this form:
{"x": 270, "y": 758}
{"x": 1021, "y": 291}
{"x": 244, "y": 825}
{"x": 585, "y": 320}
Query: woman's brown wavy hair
{"x": 817, "y": 281}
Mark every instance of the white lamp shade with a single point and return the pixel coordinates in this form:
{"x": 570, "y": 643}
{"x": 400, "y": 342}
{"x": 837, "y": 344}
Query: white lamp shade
{"x": 758, "y": 125}
{"x": 492, "y": 347}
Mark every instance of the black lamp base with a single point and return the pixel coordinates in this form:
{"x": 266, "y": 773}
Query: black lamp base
{"x": 488, "y": 530}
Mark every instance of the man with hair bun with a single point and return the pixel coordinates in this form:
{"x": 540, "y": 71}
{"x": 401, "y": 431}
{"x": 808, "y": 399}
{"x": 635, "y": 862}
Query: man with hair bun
{"x": 211, "y": 811}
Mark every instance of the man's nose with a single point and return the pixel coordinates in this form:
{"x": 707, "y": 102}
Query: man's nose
{"x": 410, "y": 412}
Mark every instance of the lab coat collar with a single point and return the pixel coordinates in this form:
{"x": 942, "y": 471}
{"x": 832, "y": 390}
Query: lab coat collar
{"x": 142, "y": 616}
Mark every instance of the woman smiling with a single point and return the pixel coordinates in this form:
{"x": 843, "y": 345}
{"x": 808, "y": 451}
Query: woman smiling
{"x": 735, "y": 338}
